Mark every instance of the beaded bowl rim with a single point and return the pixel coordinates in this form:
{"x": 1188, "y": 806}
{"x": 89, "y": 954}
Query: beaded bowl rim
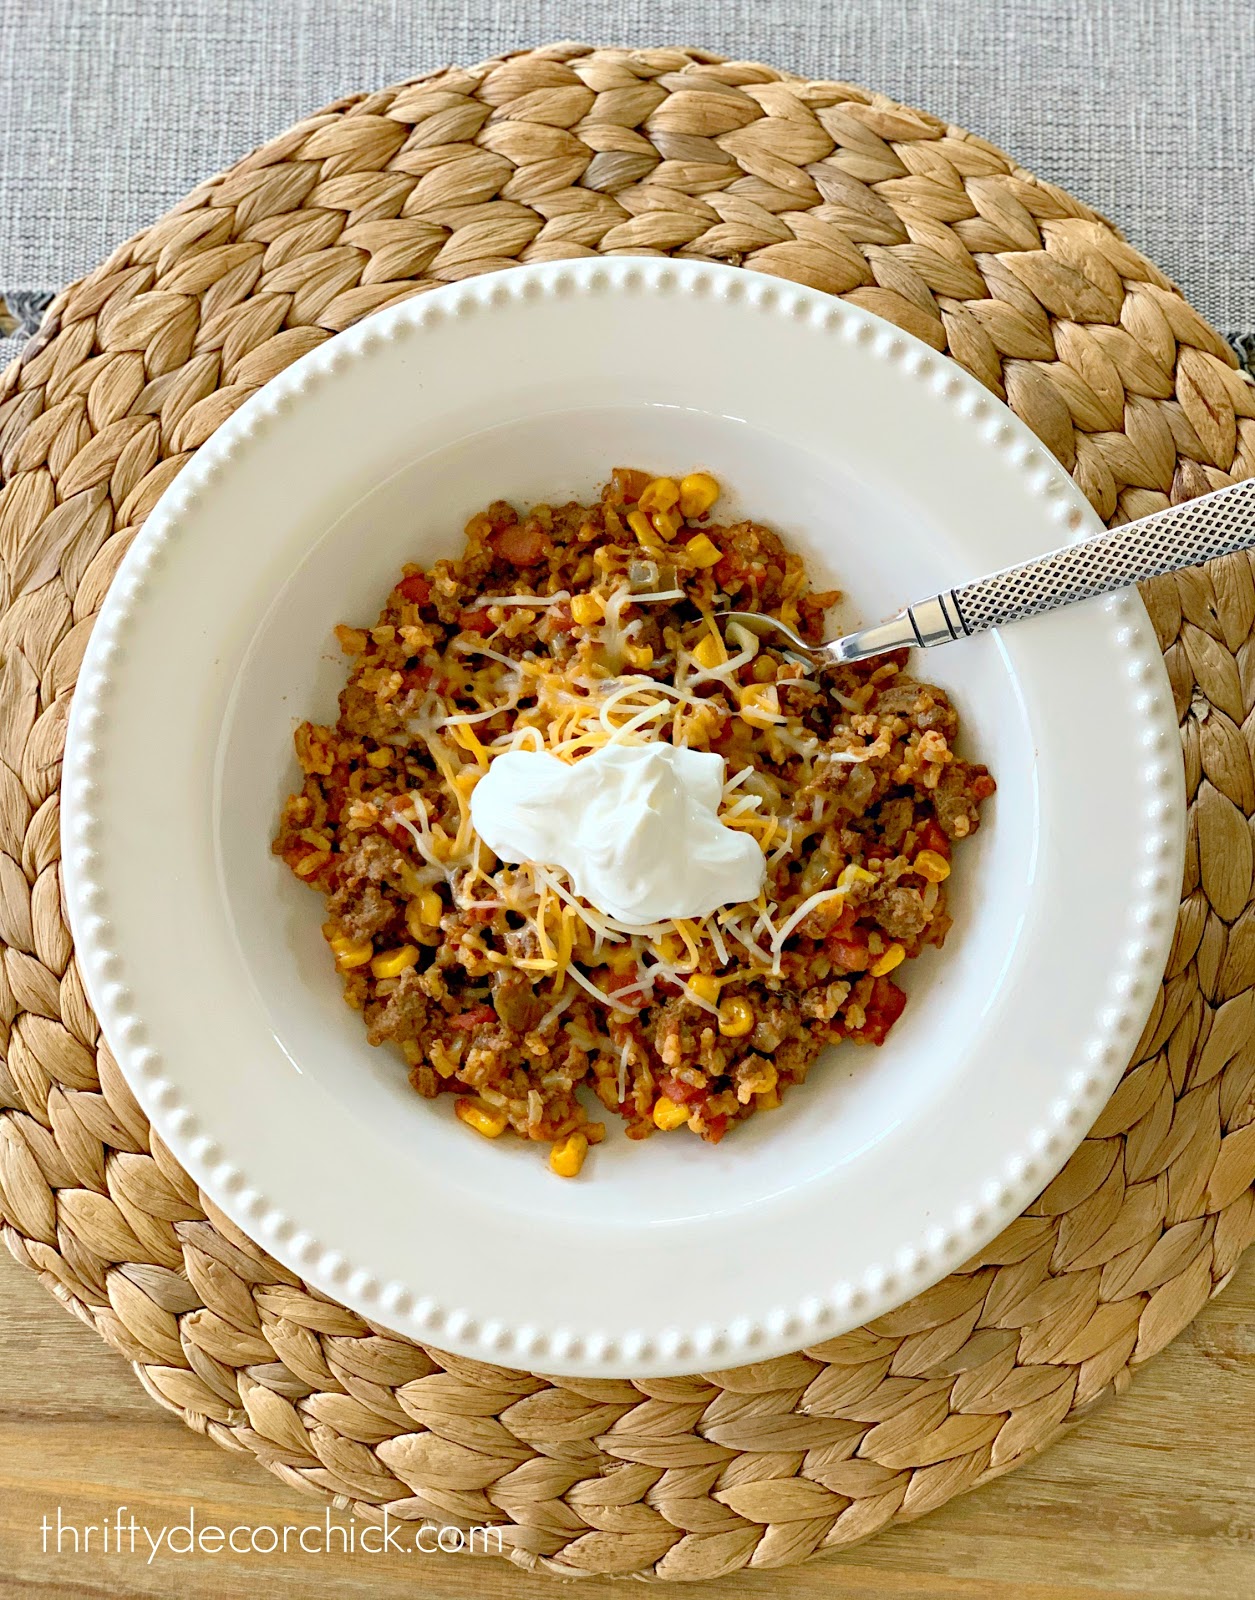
{"x": 243, "y": 1194}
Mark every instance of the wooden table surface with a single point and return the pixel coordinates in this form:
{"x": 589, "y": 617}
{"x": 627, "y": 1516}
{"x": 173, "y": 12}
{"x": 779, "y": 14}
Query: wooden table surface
{"x": 1153, "y": 1497}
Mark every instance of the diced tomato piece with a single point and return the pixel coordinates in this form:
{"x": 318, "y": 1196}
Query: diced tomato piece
{"x": 983, "y": 787}
{"x": 932, "y": 836}
{"x": 476, "y": 621}
{"x": 476, "y": 1017}
{"x": 876, "y": 851}
{"x": 847, "y": 954}
{"x": 522, "y": 545}
{"x": 847, "y": 948}
{"x": 415, "y": 589}
{"x": 684, "y": 1094}
{"x": 883, "y": 1009}
{"x": 614, "y": 981}
{"x": 843, "y": 924}
{"x": 715, "y": 1129}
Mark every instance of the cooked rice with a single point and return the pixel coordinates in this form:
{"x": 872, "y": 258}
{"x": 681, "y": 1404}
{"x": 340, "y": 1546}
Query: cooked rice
{"x": 500, "y": 985}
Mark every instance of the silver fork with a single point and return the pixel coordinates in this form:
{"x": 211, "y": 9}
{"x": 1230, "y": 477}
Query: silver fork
{"x": 1215, "y": 524}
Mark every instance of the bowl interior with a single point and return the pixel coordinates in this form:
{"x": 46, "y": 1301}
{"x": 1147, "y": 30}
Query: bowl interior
{"x": 862, "y": 524}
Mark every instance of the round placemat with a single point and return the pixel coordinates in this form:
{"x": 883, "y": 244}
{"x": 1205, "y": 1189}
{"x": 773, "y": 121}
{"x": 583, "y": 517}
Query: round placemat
{"x": 569, "y": 151}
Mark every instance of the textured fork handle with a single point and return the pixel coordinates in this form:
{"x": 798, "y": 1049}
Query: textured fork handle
{"x": 1213, "y": 525}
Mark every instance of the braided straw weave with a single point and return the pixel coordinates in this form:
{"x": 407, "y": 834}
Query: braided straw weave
{"x": 568, "y": 152}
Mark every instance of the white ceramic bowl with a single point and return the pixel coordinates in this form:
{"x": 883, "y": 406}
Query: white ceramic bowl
{"x": 895, "y": 474}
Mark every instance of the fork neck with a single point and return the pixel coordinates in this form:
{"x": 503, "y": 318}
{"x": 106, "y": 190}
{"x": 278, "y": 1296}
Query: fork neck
{"x": 928, "y": 623}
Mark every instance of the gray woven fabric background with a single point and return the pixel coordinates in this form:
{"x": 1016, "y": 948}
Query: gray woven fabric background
{"x": 110, "y": 110}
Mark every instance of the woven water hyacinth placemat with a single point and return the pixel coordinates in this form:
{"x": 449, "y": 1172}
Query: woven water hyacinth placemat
{"x": 567, "y": 152}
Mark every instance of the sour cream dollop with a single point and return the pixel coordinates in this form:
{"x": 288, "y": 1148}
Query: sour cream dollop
{"x": 635, "y": 827}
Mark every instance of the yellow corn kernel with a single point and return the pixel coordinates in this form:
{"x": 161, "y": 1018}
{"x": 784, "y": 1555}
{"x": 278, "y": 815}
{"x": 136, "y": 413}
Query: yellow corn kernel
{"x": 709, "y": 652}
{"x": 698, "y": 492}
{"x": 768, "y": 1100}
{"x": 567, "y": 1156}
{"x": 667, "y": 523}
{"x": 622, "y": 958}
{"x": 392, "y": 963}
{"x": 736, "y": 1018}
{"x": 351, "y": 953}
{"x": 638, "y": 655}
{"x": 668, "y": 1115}
{"x": 894, "y": 956}
{"x": 931, "y": 864}
{"x": 760, "y": 704}
{"x": 486, "y": 1120}
{"x": 410, "y": 880}
{"x": 643, "y": 528}
{"x": 660, "y": 495}
{"x": 703, "y": 551}
{"x": 379, "y": 758}
{"x": 851, "y": 874}
{"x": 705, "y": 987}
{"x": 587, "y": 609}
{"x": 423, "y": 914}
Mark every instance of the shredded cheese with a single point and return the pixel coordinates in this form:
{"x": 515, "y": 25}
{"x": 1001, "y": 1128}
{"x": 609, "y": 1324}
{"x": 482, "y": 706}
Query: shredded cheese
{"x": 466, "y": 736}
{"x": 541, "y": 600}
{"x": 422, "y": 844}
{"x": 566, "y": 940}
{"x": 573, "y": 707}
{"x": 821, "y": 897}
{"x": 624, "y": 1055}
{"x": 555, "y": 1010}
{"x": 468, "y": 717}
{"x": 611, "y": 1000}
